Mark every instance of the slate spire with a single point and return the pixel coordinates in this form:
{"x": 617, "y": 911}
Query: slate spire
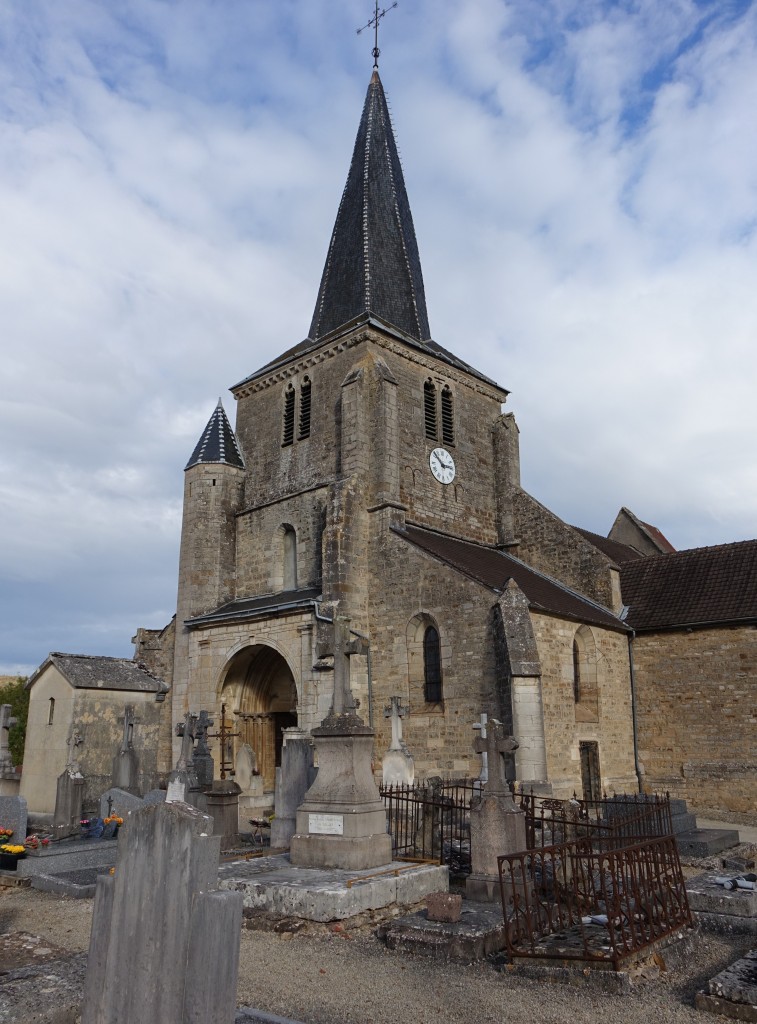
{"x": 218, "y": 443}
{"x": 373, "y": 265}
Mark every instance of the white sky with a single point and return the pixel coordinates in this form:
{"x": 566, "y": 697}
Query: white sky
{"x": 583, "y": 179}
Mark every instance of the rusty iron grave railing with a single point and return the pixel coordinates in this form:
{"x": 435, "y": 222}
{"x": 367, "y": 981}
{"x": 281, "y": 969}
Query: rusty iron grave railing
{"x": 431, "y": 821}
{"x": 550, "y": 822}
{"x": 574, "y": 901}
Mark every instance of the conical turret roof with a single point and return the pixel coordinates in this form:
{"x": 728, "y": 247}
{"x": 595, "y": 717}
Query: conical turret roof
{"x": 373, "y": 263}
{"x": 218, "y": 443}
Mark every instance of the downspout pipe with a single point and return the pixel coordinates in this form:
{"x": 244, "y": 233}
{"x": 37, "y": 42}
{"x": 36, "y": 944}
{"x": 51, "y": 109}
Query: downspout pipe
{"x": 637, "y": 768}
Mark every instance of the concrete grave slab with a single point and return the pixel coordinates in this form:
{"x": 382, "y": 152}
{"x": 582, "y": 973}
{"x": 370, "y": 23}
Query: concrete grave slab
{"x": 13, "y": 815}
{"x": 733, "y": 992}
{"x": 479, "y": 932}
{"x": 275, "y": 885}
{"x": 122, "y": 802}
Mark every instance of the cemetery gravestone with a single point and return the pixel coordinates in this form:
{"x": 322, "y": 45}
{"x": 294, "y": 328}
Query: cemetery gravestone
{"x": 13, "y": 816}
{"x": 125, "y": 774}
{"x": 497, "y": 824}
{"x": 398, "y": 767}
{"x": 165, "y": 942}
{"x": 293, "y": 780}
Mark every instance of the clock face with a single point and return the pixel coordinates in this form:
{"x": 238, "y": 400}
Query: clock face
{"x": 442, "y": 465}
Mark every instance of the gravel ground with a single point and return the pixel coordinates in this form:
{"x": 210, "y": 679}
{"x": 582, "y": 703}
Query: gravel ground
{"x": 330, "y": 977}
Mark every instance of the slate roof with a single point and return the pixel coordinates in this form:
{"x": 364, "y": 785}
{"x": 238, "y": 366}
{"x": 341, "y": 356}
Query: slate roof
{"x": 373, "y": 271}
{"x": 373, "y": 261}
{"x": 218, "y": 443}
{"x": 618, "y": 552}
{"x": 91, "y": 672}
{"x": 251, "y": 607}
{"x": 697, "y": 587}
{"x": 493, "y": 569}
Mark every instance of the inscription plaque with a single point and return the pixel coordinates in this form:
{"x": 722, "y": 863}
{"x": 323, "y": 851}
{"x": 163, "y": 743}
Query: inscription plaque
{"x": 326, "y": 824}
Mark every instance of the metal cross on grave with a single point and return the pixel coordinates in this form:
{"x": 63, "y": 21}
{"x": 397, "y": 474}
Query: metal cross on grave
{"x": 7, "y": 721}
{"x": 497, "y": 745}
{"x": 396, "y": 712}
{"x": 224, "y": 734}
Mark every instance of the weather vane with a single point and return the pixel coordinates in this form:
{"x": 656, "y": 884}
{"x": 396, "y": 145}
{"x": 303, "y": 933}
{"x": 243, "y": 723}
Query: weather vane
{"x": 374, "y": 24}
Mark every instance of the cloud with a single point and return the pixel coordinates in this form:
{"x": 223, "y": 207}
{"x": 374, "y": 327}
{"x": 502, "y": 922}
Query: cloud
{"x": 583, "y": 184}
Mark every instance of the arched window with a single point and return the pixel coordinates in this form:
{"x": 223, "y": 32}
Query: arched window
{"x": 576, "y": 672}
{"x": 448, "y": 419}
{"x": 304, "y": 409}
{"x": 429, "y": 409}
{"x": 50, "y": 710}
{"x": 288, "y": 435}
{"x": 432, "y": 666}
{"x": 290, "y": 559}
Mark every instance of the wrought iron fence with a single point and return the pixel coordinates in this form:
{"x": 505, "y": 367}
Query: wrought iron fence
{"x": 431, "y": 820}
{"x": 608, "y": 822}
{"x": 571, "y": 901}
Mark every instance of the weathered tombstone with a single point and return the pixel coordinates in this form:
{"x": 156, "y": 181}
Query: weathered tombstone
{"x": 154, "y": 796}
{"x": 7, "y": 721}
{"x": 183, "y": 779}
{"x": 246, "y": 767}
{"x": 223, "y": 805}
{"x": 69, "y": 791}
{"x": 202, "y": 759}
{"x": 165, "y": 942}
{"x": 341, "y": 823}
{"x": 497, "y": 824}
{"x": 398, "y": 767}
{"x": 293, "y": 780}
{"x": 125, "y": 774}
{"x": 120, "y": 802}
{"x": 428, "y": 837}
{"x": 10, "y": 781}
{"x": 13, "y": 816}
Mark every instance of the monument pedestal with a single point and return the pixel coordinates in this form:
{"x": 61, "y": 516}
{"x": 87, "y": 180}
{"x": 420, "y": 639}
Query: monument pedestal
{"x": 223, "y": 806}
{"x": 497, "y": 827}
{"x": 342, "y": 821}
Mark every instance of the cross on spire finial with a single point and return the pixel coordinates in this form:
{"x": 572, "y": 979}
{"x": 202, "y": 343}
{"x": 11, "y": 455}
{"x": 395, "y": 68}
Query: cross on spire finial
{"x": 374, "y": 24}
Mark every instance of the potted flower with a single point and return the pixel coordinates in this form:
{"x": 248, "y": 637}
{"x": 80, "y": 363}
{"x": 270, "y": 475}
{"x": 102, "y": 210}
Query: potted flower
{"x": 10, "y": 855}
{"x": 5, "y": 834}
{"x": 112, "y": 824}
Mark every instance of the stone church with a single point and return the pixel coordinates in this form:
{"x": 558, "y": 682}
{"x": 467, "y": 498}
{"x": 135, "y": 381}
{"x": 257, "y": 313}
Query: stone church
{"x": 373, "y": 473}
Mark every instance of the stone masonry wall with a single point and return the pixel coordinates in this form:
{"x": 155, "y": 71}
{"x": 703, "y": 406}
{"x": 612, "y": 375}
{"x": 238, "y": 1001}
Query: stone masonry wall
{"x": 697, "y": 714}
{"x": 613, "y": 728}
{"x": 553, "y": 547}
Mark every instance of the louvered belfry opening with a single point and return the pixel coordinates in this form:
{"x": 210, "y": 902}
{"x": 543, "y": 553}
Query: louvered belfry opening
{"x": 429, "y": 408}
{"x": 448, "y": 420}
{"x": 305, "y": 409}
{"x": 288, "y": 435}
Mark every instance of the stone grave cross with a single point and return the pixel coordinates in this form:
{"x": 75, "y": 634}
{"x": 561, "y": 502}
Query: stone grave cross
{"x": 345, "y": 647}
{"x": 186, "y": 730}
{"x": 7, "y": 721}
{"x": 202, "y": 724}
{"x": 396, "y": 712}
{"x": 75, "y": 739}
{"x": 480, "y": 727}
{"x": 130, "y": 720}
{"x": 496, "y": 746}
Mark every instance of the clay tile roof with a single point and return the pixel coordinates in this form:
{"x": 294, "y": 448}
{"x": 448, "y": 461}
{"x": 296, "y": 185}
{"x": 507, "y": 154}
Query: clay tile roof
{"x": 618, "y": 552}
{"x": 701, "y": 586}
{"x": 218, "y": 443}
{"x": 91, "y": 672}
{"x": 493, "y": 569}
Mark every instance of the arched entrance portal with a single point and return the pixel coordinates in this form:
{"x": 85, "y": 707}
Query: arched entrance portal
{"x": 259, "y": 685}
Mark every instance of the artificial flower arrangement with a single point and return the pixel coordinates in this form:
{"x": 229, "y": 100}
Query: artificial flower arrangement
{"x": 12, "y": 848}
{"x": 34, "y": 842}
{"x": 6, "y": 833}
{"x": 114, "y": 818}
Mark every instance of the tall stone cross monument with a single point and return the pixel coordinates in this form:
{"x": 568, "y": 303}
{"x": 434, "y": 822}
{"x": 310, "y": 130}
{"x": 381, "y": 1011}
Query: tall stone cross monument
{"x": 342, "y": 821}
{"x": 497, "y": 825}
